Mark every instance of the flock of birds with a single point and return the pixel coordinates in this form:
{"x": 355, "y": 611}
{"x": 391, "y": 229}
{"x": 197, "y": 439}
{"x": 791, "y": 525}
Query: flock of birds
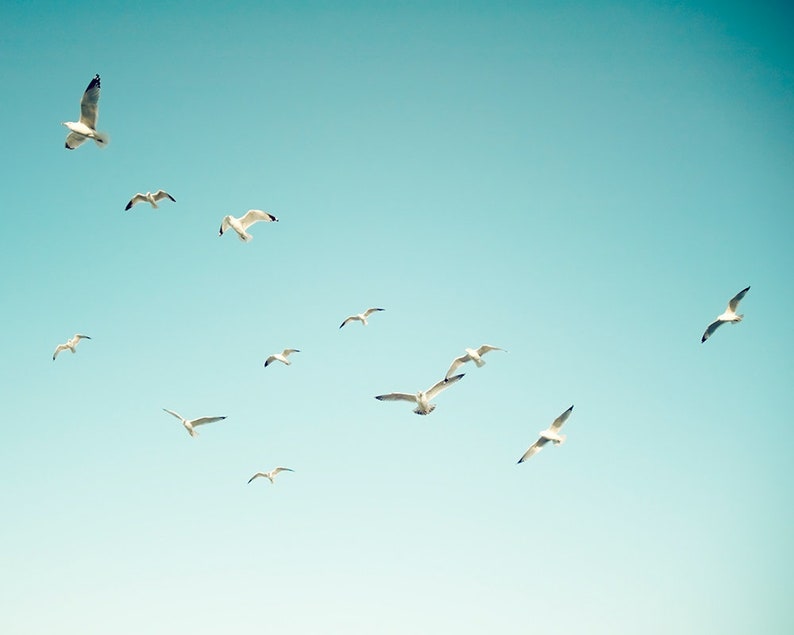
{"x": 85, "y": 129}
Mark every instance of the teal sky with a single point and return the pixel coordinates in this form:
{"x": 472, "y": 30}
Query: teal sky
{"x": 584, "y": 184}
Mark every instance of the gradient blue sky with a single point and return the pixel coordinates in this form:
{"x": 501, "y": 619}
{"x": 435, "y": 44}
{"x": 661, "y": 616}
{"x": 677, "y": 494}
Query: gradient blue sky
{"x": 585, "y": 184}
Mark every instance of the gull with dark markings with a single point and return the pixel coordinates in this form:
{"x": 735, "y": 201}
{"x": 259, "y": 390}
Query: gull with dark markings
{"x": 241, "y": 225}
{"x": 729, "y": 315}
{"x": 85, "y": 128}
{"x": 192, "y": 423}
{"x": 70, "y": 344}
{"x": 472, "y": 355}
{"x": 281, "y": 357}
{"x": 271, "y": 474}
{"x": 551, "y": 434}
{"x": 150, "y": 198}
{"x": 423, "y": 397}
{"x": 361, "y": 317}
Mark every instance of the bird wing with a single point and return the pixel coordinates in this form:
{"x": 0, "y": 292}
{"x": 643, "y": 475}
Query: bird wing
{"x": 557, "y": 423}
{"x": 348, "y": 319}
{"x": 288, "y": 351}
{"x": 487, "y": 347}
{"x": 74, "y": 140}
{"x": 171, "y": 412}
{"x": 397, "y": 396}
{"x": 80, "y": 336}
{"x": 89, "y": 104}
{"x": 457, "y": 363}
{"x": 254, "y": 216}
{"x": 258, "y": 474}
{"x": 710, "y": 330}
{"x": 734, "y": 303}
{"x": 159, "y": 195}
{"x": 135, "y": 200}
{"x": 533, "y": 449}
{"x": 224, "y": 225}
{"x": 58, "y": 349}
{"x": 280, "y": 469}
{"x": 202, "y": 420}
{"x": 369, "y": 312}
{"x": 441, "y": 385}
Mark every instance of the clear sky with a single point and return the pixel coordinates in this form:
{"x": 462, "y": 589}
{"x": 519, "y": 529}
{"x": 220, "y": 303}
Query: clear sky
{"x": 584, "y": 184}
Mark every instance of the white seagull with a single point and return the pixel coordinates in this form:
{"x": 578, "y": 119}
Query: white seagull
{"x": 80, "y": 131}
{"x": 423, "y": 397}
{"x": 281, "y": 357}
{"x": 472, "y": 355}
{"x": 240, "y": 225}
{"x": 552, "y": 434}
{"x": 361, "y": 317}
{"x": 150, "y": 198}
{"x": 729, "y": 315}
{"x": 70, "y": 345}
{"x": 271, "y": 474}
{"x": 191, "y": 423}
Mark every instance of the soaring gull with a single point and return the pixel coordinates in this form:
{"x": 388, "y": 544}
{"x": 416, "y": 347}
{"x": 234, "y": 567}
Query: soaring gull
{"x": 150, "y": 198}
{"x": 423, "y": 397}
{"x": 361, "y": 317}
{"x": 84, "y": 129}
{"x": 240, "y": 225}
{"x": 472, "y": 355}
{"x": 271, "y": 474}
{"x": 70, "y": 344}
{"x": 191, "y": 423}
{"x": 551, "y": 434}
{"x": 281, "y": 357}
{"x": 728, "y": 316}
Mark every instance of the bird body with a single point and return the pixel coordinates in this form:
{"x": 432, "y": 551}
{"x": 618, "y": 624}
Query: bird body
{"x": 423, "y": 397}
{"x": 472, "y": 355}
{"x": 85, "y": 128}
{"x": 271, "y": 474}
{"x": 281, "y": 357}
{"x": 361, "y": 317}
{"x": 190, "y": 424}
{"x": 150, "y": 198}
{"x": 729, "y": 315}
{"x": 552, "y": 433}
{"x": 241, "y": 225}
{"x": 70, "y": 344}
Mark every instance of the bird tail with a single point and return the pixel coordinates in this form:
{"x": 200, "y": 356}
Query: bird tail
{"x": 479, "y": 362}
{"x": 562, "y": 440}
{"x": 102, "y": 139}
{"x": 739, "y": 317}
{"x": 245, "y": 237}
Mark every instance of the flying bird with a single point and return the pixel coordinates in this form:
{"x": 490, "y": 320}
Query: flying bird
{"x": 423, "y": 397}
{"x": 361, "y": 317}
{"x": 551, "y": 434}
{"x": 729, "y": 315}
{"x": 80, "y": 131}
{"x": 240, "y": 225}
{"x": 70, "y": 345}
{"x": 150, "y": 198}
{"x": 271, "y": 474}
{"x": 472, "y": 355}
{"x": 281, "y": 357}
{"x": 191, "y": 423}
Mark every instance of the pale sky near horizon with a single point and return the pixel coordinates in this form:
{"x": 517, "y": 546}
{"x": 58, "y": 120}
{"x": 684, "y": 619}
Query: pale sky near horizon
{"x": 585, "y": 184}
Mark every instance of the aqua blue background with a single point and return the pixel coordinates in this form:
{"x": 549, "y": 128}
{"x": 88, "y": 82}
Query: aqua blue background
{"x": 585, "y": 184}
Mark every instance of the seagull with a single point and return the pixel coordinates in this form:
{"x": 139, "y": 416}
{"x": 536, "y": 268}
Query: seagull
{"x": 244, "y": 222}
{"x": 281, "y": 357}
{"x": 80, "y": 131}
{"x": 271, "y": 474}
{"x": 472, "y": 355}
{"x": 70, "y": 345}
{"x": 729, "y": 315}
{"x": 552, "y": 434}
{"x": 191, "y": 423}
{"x": 423, "y": 397}
{"x": 361, "y": 317}
{"x": 152, "y": 199}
